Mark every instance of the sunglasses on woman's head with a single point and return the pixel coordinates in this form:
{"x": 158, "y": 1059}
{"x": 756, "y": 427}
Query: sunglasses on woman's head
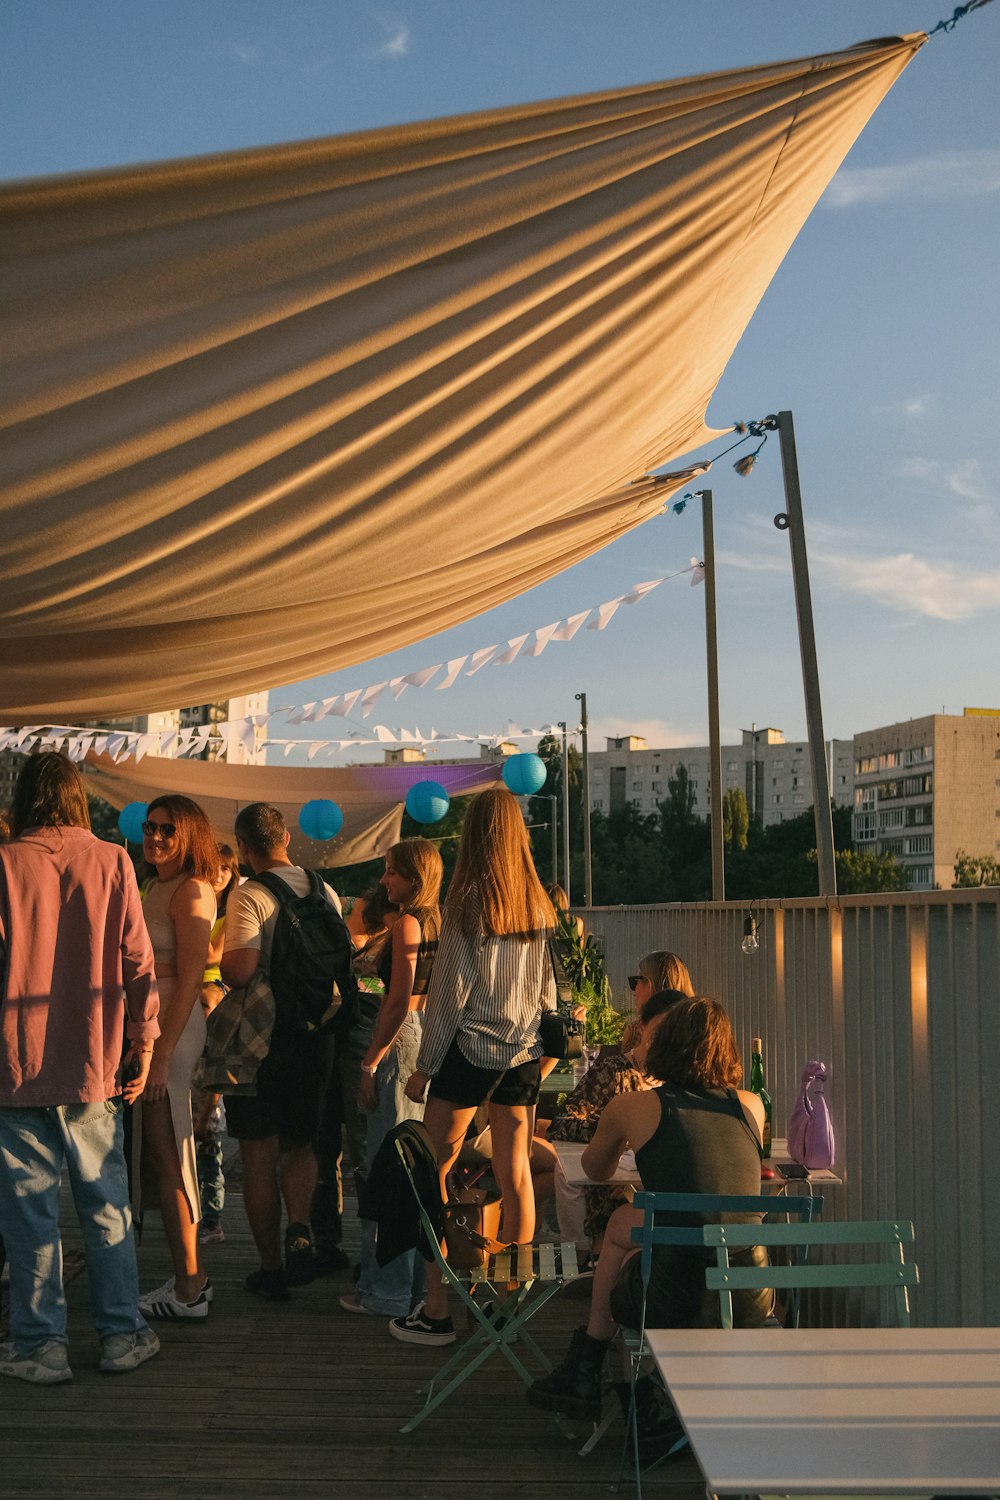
{"x": 166, "y": 831}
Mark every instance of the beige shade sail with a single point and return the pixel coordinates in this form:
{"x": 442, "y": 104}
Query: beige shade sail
{"x": 370, "y": 797}
{"x": 273, "y": 413}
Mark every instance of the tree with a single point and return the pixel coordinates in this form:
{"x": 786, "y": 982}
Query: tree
{"x": 861, "y": 872}
{"x": 540, "y": 810}
{"x": 735, "y": 817}
{"x": 971, "y": 871}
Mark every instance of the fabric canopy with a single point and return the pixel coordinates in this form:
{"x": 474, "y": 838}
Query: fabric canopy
{"x": 370, "y": 797}
{"x": 273, "y": 413}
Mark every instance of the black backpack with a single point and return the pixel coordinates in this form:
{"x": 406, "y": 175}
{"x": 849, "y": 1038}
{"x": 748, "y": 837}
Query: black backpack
{"x": 311, "y": 953}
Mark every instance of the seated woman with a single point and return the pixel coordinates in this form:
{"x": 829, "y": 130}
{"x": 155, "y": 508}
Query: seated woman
{"x": 697, "y": 1133}
{"x": 584, "y": 1212}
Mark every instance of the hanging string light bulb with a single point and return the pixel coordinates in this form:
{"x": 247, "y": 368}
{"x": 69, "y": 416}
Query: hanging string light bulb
{"x": 750, "y": 943}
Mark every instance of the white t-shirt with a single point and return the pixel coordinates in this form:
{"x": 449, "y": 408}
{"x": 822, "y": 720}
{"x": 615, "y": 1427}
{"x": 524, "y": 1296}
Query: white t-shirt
{"x": 251, "y": 912}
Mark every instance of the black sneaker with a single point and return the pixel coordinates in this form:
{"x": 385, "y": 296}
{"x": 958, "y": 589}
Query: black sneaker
{"x": 271, "y": 1285}
{"x": 300, "y": 1257}
{"x": 329, "y": 1258}
{"x": 418, "y": 1328}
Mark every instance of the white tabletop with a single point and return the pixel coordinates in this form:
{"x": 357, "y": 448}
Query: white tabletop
{"x": 862, "y": 1411}
{"x": 570, "y": 1152}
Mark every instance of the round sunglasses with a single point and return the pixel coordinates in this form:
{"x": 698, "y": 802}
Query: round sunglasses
{"x": 165, "y": 830}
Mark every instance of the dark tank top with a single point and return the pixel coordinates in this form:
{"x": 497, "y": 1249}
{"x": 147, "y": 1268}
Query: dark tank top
{"x": 425, "y": 956}
{"x": 703, "y": 1144}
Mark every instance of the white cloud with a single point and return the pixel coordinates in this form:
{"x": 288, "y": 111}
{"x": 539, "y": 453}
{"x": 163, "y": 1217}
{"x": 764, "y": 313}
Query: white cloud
{"x": 909, "y": 406}
{"x": 963, "y": 477}
{"x": 397, "y": 39}
{"x": 656, "y": 732}
{"x": 944, "y": 175}
{"x": 937, "y": 590}
{"x": 244, "y": 53}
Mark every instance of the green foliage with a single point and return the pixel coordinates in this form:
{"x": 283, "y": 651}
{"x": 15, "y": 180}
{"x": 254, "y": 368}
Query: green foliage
{"x": 605, "y": 1024}
{"x": 581, "y": 957}
{"x": 540, "y": 810}
{"x": 735, "y": 817}
{"x": 861, "y": 872}
{"x": 971, "y": 871}
{"x": 103, "y": 819}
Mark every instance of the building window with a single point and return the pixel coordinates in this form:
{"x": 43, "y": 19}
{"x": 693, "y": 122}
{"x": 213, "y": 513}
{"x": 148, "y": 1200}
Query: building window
{"x": 921, "y": 844}
{"x": 891, "y": 819}
{"x": 637, "y": 786}
{"x": 799, "y": 799}
{"x": 599, "y": 803}
{"x": 921, "y": 875}
{"x": 657, "y": 786}
{"x": 864, "y": 825}
{"x": 777, "y": 765}
{"x": 734, "y": 765}
{"x": 777, "y": 799}
{"x": 866, "y": 765}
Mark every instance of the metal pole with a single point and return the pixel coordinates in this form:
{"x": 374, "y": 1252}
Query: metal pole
{"x": 554, "y": 826}
{"x": 565, "y": 792}
{"x": 588, "y": 883}
{"x": 714, "y": 741}
{"x": 793, "y": 523}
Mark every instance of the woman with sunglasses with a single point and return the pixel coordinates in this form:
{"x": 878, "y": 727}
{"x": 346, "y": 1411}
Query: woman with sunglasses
{"x": 662, "y": 978}
{"x": 179, "y": 907}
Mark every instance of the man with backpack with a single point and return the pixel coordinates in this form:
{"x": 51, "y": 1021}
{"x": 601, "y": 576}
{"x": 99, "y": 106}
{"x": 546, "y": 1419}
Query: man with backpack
{"x": 285, "y": 922}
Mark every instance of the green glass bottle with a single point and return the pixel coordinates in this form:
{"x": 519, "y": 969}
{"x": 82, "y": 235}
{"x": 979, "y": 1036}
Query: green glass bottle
{"x": 757, "y": 1087}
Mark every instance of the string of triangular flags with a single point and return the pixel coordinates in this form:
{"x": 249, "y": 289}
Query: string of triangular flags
{"x": 77, "y": 740}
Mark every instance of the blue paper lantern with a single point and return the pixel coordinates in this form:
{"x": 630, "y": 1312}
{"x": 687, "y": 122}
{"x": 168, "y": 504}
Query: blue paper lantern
{"x": 321, "y": 819}
{"x": 524, "y": 774}
{"x": 131, "y": 819}
{"x": 427, "y": 802}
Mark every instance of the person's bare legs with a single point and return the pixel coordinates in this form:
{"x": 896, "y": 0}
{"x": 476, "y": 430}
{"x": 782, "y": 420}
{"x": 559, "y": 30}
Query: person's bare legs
{"x": 297, "y": 1173}
{"x": 446, "y": 1124}
{"x": 615, "y": 1251}
{"x": 179, "y": 1225}
{"x": 543, "y": 1162}
{"x": 262, "y": 1198}
{"x": 511, "y": 1127}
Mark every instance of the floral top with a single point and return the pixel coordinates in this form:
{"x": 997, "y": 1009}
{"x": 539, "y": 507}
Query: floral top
{"x": 611, "y": 1075}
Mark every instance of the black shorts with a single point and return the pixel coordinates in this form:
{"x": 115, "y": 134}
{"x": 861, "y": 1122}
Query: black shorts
{"x": 677, "y": 1296}
{"x": 462, "y": 1083}
{"x": 291, "y": 1092}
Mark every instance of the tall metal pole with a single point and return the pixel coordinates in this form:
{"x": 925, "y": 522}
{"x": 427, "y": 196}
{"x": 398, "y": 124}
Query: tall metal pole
{"x": 588, "y": 883}
{"x": 714, "y": 740}
{"x": 793, "y": 523}
{"x": 565, "y": 799}
{"x": 554, "y": 827}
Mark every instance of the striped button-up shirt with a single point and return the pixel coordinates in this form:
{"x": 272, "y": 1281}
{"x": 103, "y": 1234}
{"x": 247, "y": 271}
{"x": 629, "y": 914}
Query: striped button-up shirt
{"x": 488, "y": 992}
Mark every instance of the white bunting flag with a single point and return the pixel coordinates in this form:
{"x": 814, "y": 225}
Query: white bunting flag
{"x": 481, "y": 658}
{"x": 606, "y": 613}
{"x": 451, "y": 674}
{"x": 422, "y": 678}
{"x": 344, "y": 706}
{"x": 542, "y": 638}
{"x": 510, "y": 651}
{"x": 370, "y": 697}
{"x": 568, "y": 628}
{"x": 697, "y": 572}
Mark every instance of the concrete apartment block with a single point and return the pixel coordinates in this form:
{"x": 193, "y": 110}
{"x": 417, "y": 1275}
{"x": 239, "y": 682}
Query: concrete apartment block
{"x": 774, "y": 776}
{"x": 927, "y": 788}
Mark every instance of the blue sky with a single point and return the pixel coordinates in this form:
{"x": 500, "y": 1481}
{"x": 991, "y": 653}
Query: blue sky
{"x": 880, "y": 330}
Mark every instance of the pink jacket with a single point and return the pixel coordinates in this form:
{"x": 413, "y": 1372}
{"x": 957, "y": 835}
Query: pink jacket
{"x": 74, "y": 957}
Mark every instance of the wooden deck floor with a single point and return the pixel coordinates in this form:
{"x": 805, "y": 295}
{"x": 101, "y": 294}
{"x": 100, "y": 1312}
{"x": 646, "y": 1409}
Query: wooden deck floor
{"x": 296, "y": 1399}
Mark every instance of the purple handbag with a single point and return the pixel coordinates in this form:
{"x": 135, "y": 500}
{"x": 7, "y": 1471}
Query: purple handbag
{"x": 810, "y": 1129}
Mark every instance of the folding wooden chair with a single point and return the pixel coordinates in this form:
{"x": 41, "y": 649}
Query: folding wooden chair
{"x": 649, "y": 1234}
{"x": 536, "y": 1272}
{"x": 897, "y": 1273}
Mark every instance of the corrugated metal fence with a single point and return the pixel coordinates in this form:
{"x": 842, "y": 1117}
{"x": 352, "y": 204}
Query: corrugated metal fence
{"x": 898, "y": 994}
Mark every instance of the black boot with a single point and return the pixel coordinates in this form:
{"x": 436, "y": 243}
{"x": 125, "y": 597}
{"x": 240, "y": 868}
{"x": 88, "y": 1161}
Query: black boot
{"x": 574, "y": 1387}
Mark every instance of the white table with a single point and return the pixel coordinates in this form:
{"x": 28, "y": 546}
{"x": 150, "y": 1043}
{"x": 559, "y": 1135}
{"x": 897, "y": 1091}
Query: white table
{"x": 874, "y": 1411}
{"x": 570, "y": 1153}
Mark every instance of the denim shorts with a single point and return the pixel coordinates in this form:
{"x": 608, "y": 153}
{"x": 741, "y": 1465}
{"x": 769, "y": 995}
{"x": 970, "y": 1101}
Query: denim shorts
{"x": 462, "y": 1083}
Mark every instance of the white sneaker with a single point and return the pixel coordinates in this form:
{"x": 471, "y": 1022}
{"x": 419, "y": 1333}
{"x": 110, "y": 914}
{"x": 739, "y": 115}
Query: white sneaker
{"x": 167, "y": 1290}
{"x": 124, "y": 1351}
{"x": 47, "y": 1364}
{"x": 166, "y": 1306}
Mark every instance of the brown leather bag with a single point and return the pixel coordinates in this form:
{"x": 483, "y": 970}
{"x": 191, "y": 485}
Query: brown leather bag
{"x": 471, "y": 1227}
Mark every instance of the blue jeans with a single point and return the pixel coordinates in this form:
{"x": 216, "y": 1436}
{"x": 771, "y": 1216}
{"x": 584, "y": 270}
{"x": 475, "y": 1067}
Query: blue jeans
{"x": 35, "y": 1145}
{"x": 392, "y": 1289}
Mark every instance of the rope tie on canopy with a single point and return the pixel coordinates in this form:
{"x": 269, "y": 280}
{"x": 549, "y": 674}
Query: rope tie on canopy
{"x": 759, "y": 427}
{"x": 958, "y": 14}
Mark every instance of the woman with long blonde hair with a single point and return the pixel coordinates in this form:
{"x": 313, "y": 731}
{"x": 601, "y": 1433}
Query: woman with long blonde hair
{"x": 492, "y": 980}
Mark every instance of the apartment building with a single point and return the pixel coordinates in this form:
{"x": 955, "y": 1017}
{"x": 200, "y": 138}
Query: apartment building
{"x": 243, "y": 748}
{"x": 927, "y": 788}
{"x": 774, "y": 775}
